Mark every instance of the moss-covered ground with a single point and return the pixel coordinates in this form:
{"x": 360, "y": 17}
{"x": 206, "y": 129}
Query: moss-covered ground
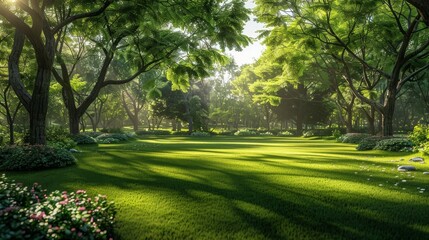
{"x": 250, "y": 188}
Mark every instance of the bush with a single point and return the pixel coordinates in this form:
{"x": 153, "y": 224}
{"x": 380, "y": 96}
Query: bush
{"x": 111, "y": 130}
{"x": 200, "y": 134}
{"x": 245, "y": 133}
{"x": 227, "y": 133}
{"x": 118, "y": 136}
{"x": 153, "y": 132}
{"x": 29, "y": 157}
{"x": 82, "y": 139}
{"x": 354, "y": 138}
{"x": 419, "y": 135}
{"x": 395, "y": 145}
{"x": 108, "y": 140}
{"x": 31, "y": 214}
{"x": 336, "y": 133}
{"x": 56, "y": 134}
{"x": 93, "y": 134}
{"x": 284, "y": 134}
{"x": 266, "y": 134}
{"x": 308, "y": 133}
{"x": 425, "y": 148}
{"x": 369, "y": 143}
{"x": 180, "y": 133}
{"x": 66, "y": 143}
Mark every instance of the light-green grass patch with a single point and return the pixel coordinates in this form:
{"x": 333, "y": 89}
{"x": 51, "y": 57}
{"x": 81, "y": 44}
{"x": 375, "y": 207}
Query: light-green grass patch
{"x": 250, "y": 188}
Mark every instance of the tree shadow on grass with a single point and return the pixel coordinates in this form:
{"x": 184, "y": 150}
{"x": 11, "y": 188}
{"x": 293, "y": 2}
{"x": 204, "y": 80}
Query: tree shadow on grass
{"x": 260, "y": 206}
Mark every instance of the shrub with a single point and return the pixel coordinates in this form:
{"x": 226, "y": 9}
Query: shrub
{"x": 200, "y": 134}
{"x": 354, "y": 138}
{"x": 245, "y": 133}
{"x": 93, "y": 134}
{"x": 153, "y": 132}
{"x": 227, "y": 133}
{"x": 118, "y": 136}
{"x": 108, "y": 140}
{"x": 66, "y": 143}
{"x": 29, "y": 157}
{"x": 369, "y": 143}
{"x": 82, "y": 139}
{"x": 425, "y": 148}
{"x": 111, "y": 130}
{"x": 31, "y": 214}
{"x": 266, "y": 134}
{"x": 56, "y": 134}
{"x": 395, "y": 145}
{"x": 419, "y": 135}
{"x": 336, "y": 133}
{"x": 180, "y": 133}
{"x": 308, "y": 133}
{"x": 284, "y": 134}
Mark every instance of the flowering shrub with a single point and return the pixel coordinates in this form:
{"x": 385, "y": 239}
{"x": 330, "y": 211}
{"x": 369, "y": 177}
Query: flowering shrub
{"x": 245, "y": 133}
{"x": 31, "y": 214}
{"x": 28, "y": 157}
{"x": 266, "y": 134}
{"x": 200, "y": 134}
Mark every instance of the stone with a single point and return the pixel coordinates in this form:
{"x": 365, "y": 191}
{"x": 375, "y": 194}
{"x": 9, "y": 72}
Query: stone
{"x": 406, "y": 168}
{"x": 73, "y": 150}
{"x": 417, "y": 159}
{"x": 426, "y": 173}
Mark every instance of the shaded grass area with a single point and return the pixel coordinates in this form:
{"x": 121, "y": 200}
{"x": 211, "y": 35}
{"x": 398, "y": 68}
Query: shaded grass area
{"x": 250, "y": 188}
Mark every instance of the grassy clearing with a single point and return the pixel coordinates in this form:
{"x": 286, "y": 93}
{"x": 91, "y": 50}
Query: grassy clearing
{"x": 250, "y": 188}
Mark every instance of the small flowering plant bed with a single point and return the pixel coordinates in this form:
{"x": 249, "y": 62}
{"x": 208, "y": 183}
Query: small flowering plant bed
{"x": 32, "y": 213}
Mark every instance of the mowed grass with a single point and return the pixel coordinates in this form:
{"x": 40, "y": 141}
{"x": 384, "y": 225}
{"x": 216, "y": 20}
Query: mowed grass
{"x": 250, "y": 188}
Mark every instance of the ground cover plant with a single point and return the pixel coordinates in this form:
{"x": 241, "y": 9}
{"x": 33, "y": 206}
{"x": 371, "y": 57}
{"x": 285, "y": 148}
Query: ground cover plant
{"x": 260, "y": 187}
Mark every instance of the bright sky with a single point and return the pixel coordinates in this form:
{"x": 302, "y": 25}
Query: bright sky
{"x": 252, "y": 52}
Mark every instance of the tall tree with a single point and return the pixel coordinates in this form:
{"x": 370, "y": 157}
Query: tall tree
{"x": 184, "y": 37}
{"x": 33, "y": 20}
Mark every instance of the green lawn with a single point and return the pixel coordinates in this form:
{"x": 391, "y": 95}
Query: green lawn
{"x": 250, "y": 188}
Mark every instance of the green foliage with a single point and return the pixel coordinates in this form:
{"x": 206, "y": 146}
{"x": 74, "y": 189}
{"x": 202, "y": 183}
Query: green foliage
{"x": 112, "y": 130}
{"x": 31, "y": 157}
{"x": 153, "y": 132}
{"x": 200, "y": 134}
{"x": 120, "y": 137}
{"x": 31, "y": 214}
{"x": 420, "y": 134}
{"x": 285, "y": 134}
{"x": 354, "y": 138}
{"x": 58, "y": 137}
{"x": 82, "y": 139}
{"x": 66, "y": 143}
{"x": 395, "y": 145}
{"x": 108, "y": 140}
{"x": 369, "y": 143}
{"x": 425, "y": 148}
{"x": 245, "y": 132}
{"x": 93, "y": 134}
{"x": 309, "y": 133}
{"x": 336, "y": 133}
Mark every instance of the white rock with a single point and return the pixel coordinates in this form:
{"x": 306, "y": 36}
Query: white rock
{"x": 417, "y": 159}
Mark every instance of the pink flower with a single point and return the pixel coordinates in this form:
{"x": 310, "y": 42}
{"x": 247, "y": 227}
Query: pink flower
{"x": 81, "y": 209}
{"x": 80, "y": 191}
{"x": 63, "y": 202}
{"x": 73, "y": 229}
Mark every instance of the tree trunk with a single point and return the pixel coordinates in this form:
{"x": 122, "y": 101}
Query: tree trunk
{"x": 74, "y": 122}
{"x": 388, "y": 113}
